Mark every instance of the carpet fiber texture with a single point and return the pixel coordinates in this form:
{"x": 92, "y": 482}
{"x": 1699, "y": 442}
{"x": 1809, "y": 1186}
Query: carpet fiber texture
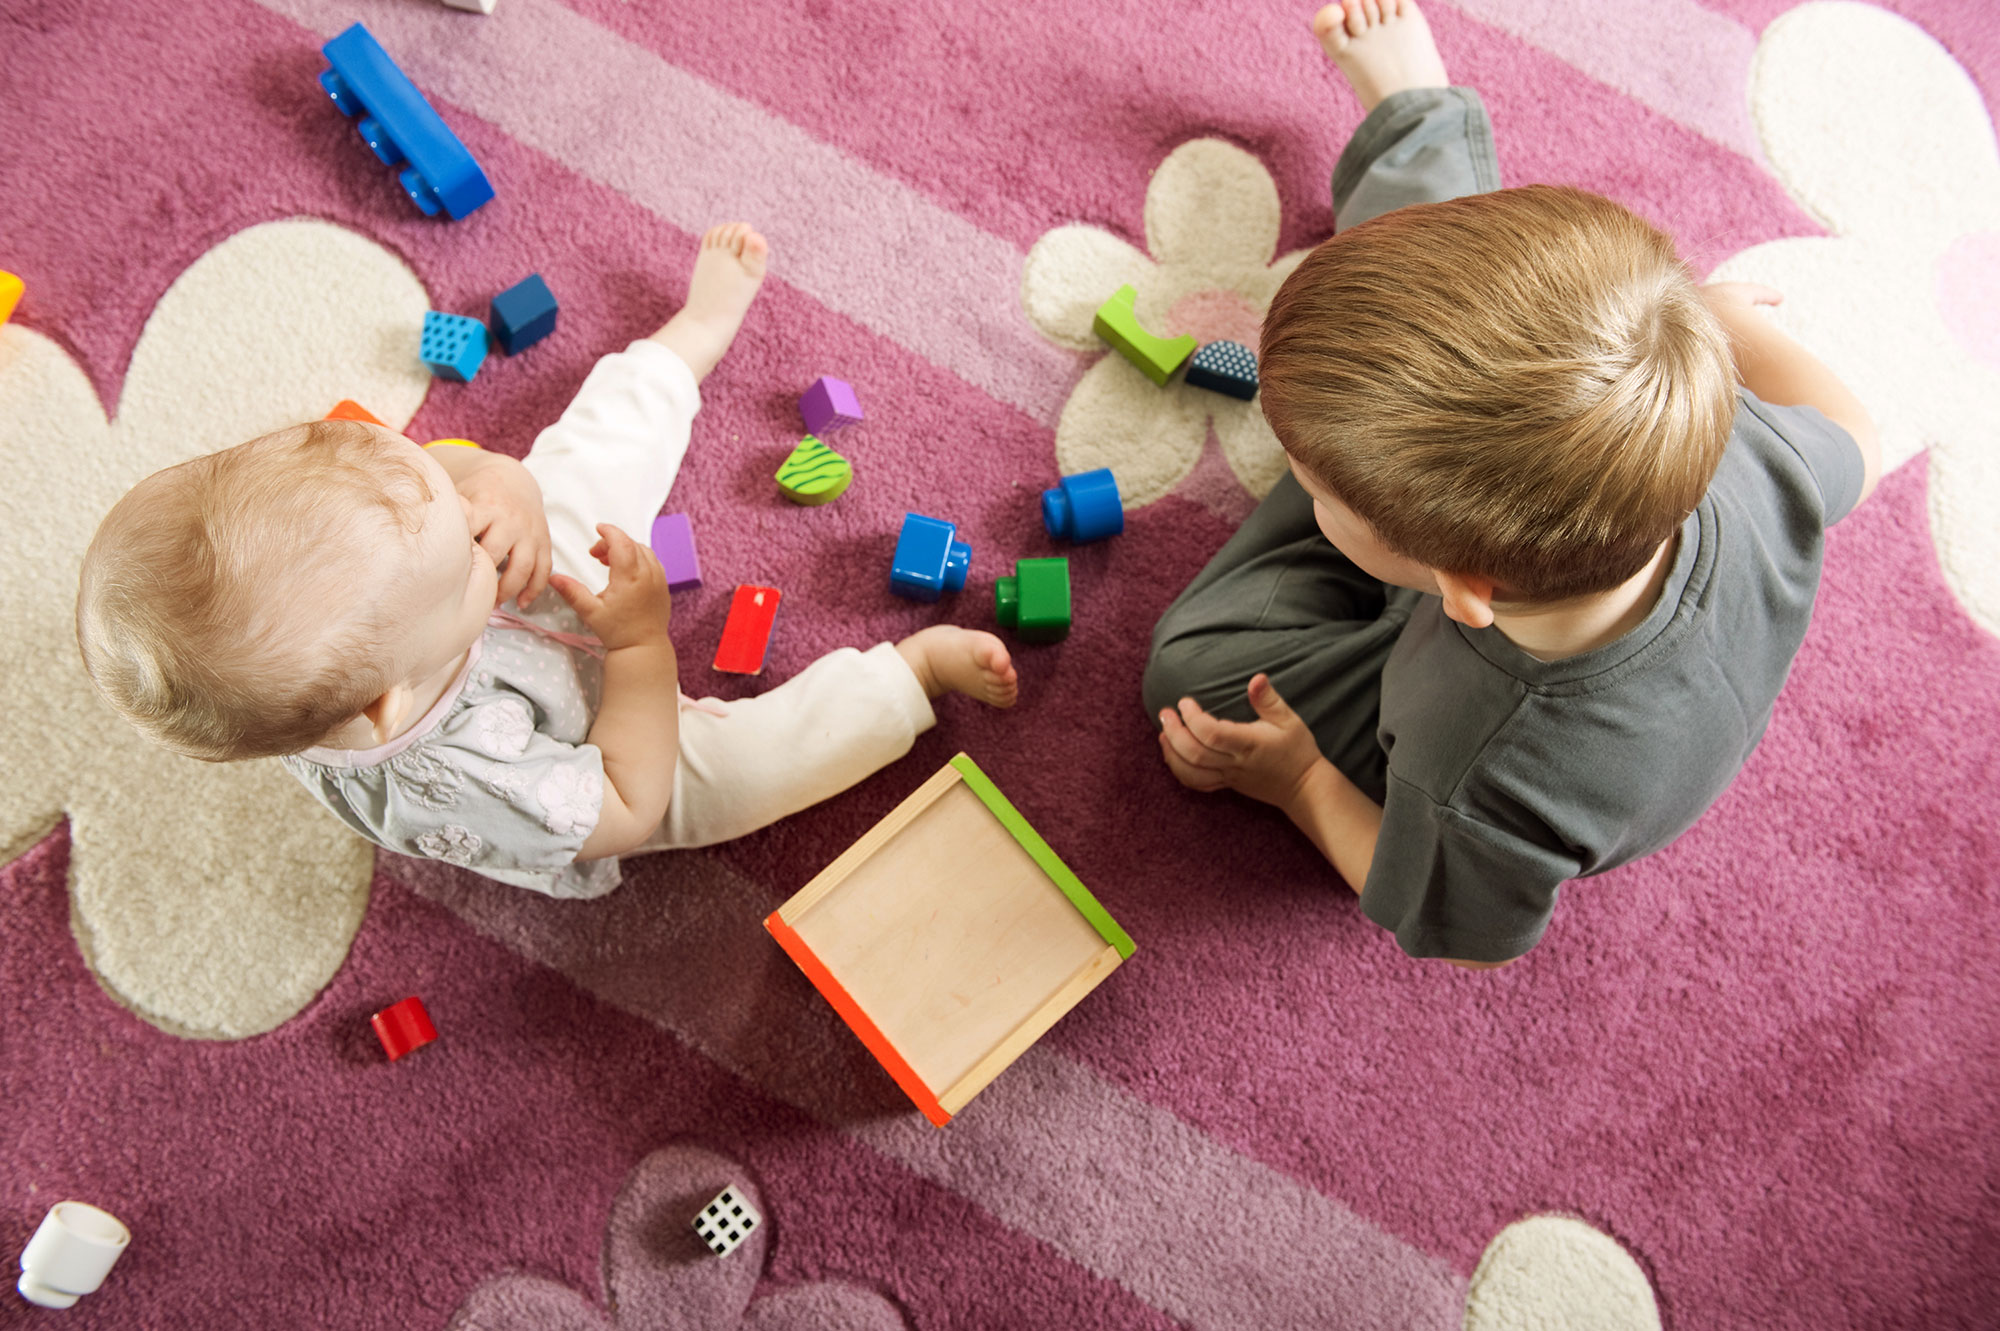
{"x": 1749, "y": 1082}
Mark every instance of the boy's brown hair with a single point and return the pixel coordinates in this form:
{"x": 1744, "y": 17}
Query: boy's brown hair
{"x": 231, "y": 607}
{"x": 1524, "y": 385}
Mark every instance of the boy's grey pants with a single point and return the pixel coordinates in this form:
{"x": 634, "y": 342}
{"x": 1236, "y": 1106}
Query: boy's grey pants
{"x": 1279, "y": 598}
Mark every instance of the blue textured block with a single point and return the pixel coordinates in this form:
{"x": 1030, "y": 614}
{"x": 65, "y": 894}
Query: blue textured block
{"x": 454, "y": 347}
{"x": 1225, "y": 367}
{"x": 929, "y": 562}
{"x": 523, "y": 314}
{"x": 400, "y": 125}
{"x": 1085, "y": 507}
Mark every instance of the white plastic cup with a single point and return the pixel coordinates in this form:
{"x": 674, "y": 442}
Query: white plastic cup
{"x": 70, "y": 1255}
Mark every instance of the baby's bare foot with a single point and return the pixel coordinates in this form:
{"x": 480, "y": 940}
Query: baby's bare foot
{"x": 950, "y": 659}
{"x": 1382, "y": 46}
{"x": 727, "y": 273}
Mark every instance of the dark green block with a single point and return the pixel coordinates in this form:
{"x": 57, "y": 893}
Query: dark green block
{"x": 1035, "y": 601}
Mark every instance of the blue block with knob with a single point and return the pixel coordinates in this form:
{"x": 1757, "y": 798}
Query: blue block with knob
{"x": 1085, "y": 507}
{"x": 930, "y": 559}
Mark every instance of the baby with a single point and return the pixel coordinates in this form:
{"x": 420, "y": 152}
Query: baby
{"x": 329, "y": 594}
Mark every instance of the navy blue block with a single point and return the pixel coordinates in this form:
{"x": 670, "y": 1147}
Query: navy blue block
{"x": 1225, "y": 367}
{"x": 523, "y": 314}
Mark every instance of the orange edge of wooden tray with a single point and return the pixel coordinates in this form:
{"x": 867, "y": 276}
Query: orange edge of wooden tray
{"x": 857, "y": 1020}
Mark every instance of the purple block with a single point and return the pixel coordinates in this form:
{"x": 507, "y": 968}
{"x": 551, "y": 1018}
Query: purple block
{"x": 673, "y": 542}
{"x": 829, "y": 404}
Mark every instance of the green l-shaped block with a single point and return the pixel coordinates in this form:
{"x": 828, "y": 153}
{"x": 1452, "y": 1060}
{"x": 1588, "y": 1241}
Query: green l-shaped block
{"x": 1117, "y": 322}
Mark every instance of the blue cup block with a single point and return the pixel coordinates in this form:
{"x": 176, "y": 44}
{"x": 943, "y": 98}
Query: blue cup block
{"x": 1084, "y": 508}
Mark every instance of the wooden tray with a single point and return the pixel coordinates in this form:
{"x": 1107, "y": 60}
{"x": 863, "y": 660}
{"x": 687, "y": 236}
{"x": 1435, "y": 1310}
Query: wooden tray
{"x": 950, "y": 937}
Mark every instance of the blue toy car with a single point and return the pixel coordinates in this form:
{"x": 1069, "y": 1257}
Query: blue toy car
{"x": 400, "y": 125}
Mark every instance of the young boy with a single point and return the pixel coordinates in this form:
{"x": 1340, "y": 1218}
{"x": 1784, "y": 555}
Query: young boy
{"x": 1521, "y": 609}
{"x": 329, "y": 594}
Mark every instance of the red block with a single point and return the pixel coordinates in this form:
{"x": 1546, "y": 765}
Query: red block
{"x": 403, "y": 1027}
{"x": 748, "y": 630}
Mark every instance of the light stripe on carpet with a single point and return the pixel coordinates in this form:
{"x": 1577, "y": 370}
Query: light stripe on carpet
{"x": 1121, "y": 1187}
{"x": 860, "y": 243}
{"x": 1620, "y": 45}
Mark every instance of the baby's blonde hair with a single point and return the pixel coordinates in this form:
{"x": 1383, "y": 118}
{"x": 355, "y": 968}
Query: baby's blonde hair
{"x": 229, "y": 606}
{"x": 1525, "y": 385}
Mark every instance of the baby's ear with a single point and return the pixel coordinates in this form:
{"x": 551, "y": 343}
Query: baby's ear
{"x": 385, "y": 715}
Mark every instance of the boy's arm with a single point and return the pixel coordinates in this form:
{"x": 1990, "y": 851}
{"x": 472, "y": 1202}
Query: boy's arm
{"x": 1344, "y": 824}
{"x": 1780, "y": 371}
{"x": 1275, "y": 760}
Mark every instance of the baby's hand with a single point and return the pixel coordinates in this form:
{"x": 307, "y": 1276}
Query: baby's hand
{"x": 508, "y": 522}
{"x": 636, "y": 607}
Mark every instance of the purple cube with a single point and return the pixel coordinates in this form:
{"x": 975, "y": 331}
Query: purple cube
{"x": 673, "y": 542}
{"x": 829, "y": 404}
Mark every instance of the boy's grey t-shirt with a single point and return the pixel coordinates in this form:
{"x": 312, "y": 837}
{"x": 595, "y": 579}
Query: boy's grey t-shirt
{"x": 1508, "y": 775}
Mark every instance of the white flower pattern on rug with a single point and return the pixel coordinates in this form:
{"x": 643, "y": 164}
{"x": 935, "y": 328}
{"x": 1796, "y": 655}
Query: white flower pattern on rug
{"x": 658, "y": 1276}
{"x": 1212, "y": 229}
{"x": 1881, "y": 135}
{"x": 214, "y": 900}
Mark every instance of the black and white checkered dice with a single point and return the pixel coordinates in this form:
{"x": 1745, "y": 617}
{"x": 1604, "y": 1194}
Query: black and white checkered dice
{"x": 1225, "y": 367}
{"x": 726, "y": 1222}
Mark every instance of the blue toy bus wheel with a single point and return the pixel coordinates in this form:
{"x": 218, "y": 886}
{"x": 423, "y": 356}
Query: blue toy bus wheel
{"x": 420, "y": 192}
{"x": 343, "y": 96}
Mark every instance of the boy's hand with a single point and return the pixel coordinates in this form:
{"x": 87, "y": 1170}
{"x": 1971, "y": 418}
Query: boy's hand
{"x": 1267, "y": 759}
{"x": 508, "y": 522}
{"x": 636, "y": 607}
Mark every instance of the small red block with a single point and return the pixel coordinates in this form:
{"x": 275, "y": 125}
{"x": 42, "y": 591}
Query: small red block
{"x": 747, "y": 632}
{"x": 403, "y": 1027}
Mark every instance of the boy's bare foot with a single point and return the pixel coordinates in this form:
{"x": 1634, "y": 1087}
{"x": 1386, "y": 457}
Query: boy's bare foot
{"x": 950, "y": 659}
{"x": 727, "y": 273}
{"x": 1382, "y": 46}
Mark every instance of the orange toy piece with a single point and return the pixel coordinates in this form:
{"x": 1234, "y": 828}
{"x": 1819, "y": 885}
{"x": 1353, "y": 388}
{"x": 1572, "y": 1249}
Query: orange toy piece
{"x": 11, "y": 288}
{"x": 347, "y": 410}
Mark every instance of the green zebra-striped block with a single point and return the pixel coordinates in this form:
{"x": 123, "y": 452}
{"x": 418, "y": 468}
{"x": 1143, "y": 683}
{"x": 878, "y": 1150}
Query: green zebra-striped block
{"x": 814, "y": 473}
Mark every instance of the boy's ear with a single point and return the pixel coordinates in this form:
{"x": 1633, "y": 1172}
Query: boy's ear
{"x": 387, "y": 712}
{"x": 1468, "y": 598}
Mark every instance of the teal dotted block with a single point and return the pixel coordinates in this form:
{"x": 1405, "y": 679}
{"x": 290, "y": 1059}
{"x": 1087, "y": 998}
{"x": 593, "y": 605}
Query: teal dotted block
{"x": 454, "y": 347}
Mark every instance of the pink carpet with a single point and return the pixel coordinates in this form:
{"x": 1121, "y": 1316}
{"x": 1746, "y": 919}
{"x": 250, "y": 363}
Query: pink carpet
{"x": 1765, "y": 1061}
